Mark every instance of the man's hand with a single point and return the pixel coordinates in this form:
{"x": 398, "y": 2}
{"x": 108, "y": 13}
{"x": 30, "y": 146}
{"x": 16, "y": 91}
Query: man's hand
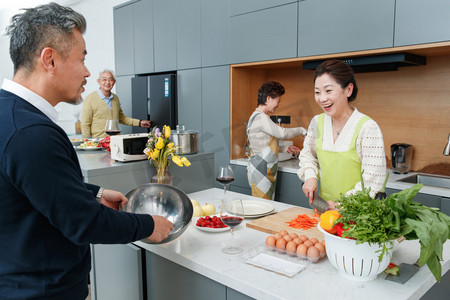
{"x": 162, "y": 229}
{"x": 144, "y": 123}
{"x": 113, "y": 199}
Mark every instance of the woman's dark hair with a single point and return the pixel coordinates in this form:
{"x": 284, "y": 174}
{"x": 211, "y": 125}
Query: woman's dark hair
{"x": 341, "y": 72}
{"x": 271, "y": 88}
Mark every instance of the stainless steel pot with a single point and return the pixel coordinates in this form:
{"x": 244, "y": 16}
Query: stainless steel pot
{"x": 187, "y": 140}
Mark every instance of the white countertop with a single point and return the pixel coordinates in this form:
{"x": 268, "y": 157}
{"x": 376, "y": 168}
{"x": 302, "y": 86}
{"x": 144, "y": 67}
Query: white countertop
{"x": 201, "y": 252}
{"x": 291, "y": 166}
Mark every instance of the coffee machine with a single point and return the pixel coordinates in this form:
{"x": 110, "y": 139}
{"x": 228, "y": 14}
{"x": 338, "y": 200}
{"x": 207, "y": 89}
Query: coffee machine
{"x": 401, "y": 157}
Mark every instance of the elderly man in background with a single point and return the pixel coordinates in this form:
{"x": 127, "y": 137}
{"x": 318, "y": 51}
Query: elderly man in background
{"x": 103, "y": 105}
{"x": 48, "y": 215}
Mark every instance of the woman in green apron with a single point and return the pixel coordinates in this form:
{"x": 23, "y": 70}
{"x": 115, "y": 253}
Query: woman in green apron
{"x": 341, "y": 142}
{"x": 262, "y": 141}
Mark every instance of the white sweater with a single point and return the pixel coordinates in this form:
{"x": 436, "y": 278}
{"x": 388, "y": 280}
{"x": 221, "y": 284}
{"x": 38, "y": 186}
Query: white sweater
{"x": 369, "y": 146}
{"x": 263, "y": 128}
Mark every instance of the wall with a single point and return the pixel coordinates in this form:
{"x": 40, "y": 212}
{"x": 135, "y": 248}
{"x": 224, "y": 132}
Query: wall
{"x": 99, "y": 38}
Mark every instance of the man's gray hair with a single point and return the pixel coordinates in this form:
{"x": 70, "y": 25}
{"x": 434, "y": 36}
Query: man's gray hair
{"x": 106, "y": 70}
{"x": 48, "y": 25}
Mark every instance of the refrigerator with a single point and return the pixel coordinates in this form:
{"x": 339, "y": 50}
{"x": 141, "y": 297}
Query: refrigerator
{"x": 154, "y": 98}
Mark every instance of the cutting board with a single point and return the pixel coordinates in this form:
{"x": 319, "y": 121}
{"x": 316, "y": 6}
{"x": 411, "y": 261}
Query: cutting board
{"x": 275, "y": 223}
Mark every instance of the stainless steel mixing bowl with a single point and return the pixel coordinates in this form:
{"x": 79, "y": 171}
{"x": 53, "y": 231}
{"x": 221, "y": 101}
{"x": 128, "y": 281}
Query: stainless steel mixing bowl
{"x": 164, "y": 200}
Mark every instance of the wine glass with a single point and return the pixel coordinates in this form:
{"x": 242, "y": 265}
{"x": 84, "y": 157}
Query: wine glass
{"x": 225, "y": 176}
{"x": 112, "y": 127}
{"x": 232, "y": 214}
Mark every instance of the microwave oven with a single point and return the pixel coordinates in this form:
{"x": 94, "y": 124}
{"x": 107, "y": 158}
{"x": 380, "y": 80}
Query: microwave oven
{"x": 128, "y": 147}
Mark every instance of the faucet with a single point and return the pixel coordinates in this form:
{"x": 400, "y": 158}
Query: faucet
{"x": 447, "y": 148}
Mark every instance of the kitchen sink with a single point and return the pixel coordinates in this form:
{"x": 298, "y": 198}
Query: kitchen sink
{"x": 426, "y": 179}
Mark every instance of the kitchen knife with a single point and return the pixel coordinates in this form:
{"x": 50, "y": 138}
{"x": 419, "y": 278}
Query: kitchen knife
{"x": 319, "y": 204}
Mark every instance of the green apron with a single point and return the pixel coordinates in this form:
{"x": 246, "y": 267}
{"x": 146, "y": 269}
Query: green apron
{"x": 339, "y": 171}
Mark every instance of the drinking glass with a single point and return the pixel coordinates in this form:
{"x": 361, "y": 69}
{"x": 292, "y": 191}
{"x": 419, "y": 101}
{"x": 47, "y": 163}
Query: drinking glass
{"x": 225, "y": 176}
{"x": 112, "y": 127}
{"x": 232, "y": 214}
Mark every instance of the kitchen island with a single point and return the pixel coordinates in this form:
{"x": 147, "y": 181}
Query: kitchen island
{"x": 198, "y": 254}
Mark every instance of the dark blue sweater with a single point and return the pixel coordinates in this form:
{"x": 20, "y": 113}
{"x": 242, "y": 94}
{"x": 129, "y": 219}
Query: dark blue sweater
{"x": 48, "y": 215}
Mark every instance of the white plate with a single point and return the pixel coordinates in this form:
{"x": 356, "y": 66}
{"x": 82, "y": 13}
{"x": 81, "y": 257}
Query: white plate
{"x": 253, "y": 208}
{"x": 208, "y": 229}
{"x": 90, "y": 148}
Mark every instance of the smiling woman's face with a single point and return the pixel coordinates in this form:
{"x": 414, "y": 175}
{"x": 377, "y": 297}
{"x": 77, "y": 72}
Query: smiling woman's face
{"x": 331, "y": 96}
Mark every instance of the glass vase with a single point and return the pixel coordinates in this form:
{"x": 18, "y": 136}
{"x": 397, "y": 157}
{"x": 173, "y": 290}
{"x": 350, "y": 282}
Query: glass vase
{"x": 162, "y": 175}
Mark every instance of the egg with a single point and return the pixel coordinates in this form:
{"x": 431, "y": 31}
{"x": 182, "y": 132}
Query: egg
{"x": 291, "y": 247}
{"x": 323, "y": 242}
{"x": 321, "y": 248}
{"x": 301, "y": 251}
{"x": 303, "y": 238}
{"x": 278, "y": 236}
{"x": 313, "y": 253}
{"x": 283, "y": 232}
{"x": 293, "y": 235}
{"x": 308, "y": 243}
{"x": 281, "y": 245}
{"x": 297, "y": 240}
{"x": 287, "y": 237}
{"x": 271, "y": 241}
{"x": 314, "y": 240}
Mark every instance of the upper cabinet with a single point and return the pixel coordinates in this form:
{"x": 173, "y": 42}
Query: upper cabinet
{"x": 189, "y": 34}
{"x": 165, "y": 34}
{"x": 123, "y": 40}
{"x": 215, "y": 40}
{"x": 238, "y": 7}
{"x": 133, "y": 38}
{"x": 343, "y": 26}
{"x": 264, "y": 34}
{"x": 421, "y": 21}
{"x": 143, "y": 37}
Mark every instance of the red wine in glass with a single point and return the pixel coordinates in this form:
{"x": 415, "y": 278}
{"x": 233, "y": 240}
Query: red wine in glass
{"x": 232, "y": 221}
{"x": 225, "y": 180}
{"x": 113, "y": 132}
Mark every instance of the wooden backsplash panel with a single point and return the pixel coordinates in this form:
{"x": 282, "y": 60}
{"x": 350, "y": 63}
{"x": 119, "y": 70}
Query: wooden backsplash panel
{"x": 411, "y": 105}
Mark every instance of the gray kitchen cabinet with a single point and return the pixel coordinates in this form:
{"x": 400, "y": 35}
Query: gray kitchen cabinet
{"x": 264, "y": 35}
{"x": 215, "y": 28}
{"x": 163, "y": 275}
{"x": 421, "y": 21}
{"x": 118, "y": 272}
{"x": 215, "y": 113}
{"x": 165, "y": 35}
{"x": 143, "y": 37}
{"x": 445, "y": 205}
{"x": 189, "y": 83}
{"x": 238, "y": 7}
{"x": 133, "y": 37}
{"x": 124, "y": 92}
{"x": 189, "y": 34}
{"x": 240, "y": 183}
{"x": 124, "y": 39}
{"x": 289, "y": 190}
{"x": 343, "y": 26}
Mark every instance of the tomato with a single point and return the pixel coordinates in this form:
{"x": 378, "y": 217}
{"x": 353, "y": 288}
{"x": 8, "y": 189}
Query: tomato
{"x": 327, "y": 219}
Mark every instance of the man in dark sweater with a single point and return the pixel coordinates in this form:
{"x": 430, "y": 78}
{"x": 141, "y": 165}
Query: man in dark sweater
{"x": 48, "y": 215}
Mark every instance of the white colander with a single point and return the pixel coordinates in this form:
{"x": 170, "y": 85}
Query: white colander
{"x": 355, "y": 262}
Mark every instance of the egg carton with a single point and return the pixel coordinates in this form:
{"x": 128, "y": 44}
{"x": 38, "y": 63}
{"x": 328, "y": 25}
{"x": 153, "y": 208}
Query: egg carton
{"x": 294, "y": 255}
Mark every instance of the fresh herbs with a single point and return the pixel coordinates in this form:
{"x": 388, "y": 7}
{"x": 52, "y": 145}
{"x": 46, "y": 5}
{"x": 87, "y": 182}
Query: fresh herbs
{"x": 381, "y": 221}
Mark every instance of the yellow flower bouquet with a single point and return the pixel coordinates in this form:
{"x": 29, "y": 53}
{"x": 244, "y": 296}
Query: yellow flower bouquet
{"x": 160, "y": 148}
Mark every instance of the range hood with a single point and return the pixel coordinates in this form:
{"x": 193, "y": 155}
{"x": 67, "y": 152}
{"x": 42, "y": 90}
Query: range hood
{"x": 375, "y": 63}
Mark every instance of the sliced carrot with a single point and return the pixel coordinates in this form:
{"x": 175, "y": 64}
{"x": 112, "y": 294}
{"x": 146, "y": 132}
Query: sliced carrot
{"x": 304, "y": 222}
